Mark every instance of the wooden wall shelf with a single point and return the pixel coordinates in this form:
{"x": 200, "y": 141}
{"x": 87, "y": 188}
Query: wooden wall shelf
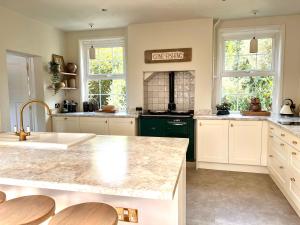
{"x": 68, "y": 74}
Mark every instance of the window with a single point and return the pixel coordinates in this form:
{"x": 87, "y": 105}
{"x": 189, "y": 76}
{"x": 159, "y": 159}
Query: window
{"x": 105, "y": 77}
{"x": 243, "y": 75}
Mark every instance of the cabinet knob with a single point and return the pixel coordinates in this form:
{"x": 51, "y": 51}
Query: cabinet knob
{"x": 281, "y": 167}
{"x": 294, "y": 153}
{"x": 131, "y": 122}
{"x": 65, "y": 118}
{"x": 270, "y": 156}
{"x": 271, "y": 128}
{"x": 295, "y": 142}
{"x": 293, "y": 179}
{"x": 282, "y": 135}
{"x": 271, "y": 136}
{"x": 200, "y": 124}
{"x": 106, "y": 121}
{"x": 231, "y": 125}
{"x": 281, "y": 144}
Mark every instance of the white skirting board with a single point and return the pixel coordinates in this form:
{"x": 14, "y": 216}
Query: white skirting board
{"x": 232, "y": 167}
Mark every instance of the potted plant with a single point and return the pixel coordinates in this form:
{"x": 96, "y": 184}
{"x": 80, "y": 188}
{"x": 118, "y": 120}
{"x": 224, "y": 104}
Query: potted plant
{"x": 223, "y": 108}
{"x": 56, "y": 83}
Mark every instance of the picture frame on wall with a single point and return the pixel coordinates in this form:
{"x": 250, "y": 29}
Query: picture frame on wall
{"x": 59, "y": 60}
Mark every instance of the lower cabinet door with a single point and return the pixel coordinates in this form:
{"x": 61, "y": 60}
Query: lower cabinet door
{"x": 212, "y": 141}
{"x": 152, "y": 127}
{"x": 245, "y": 142}
{"x": 97, "y": 126}
{"x": 294, "y": 188}
{"x": 66, "y": 124}
{"x": 122, "y": 126}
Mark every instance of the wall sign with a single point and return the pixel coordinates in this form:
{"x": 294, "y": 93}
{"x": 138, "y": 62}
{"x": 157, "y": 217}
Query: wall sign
{"x": 168, "y": 55}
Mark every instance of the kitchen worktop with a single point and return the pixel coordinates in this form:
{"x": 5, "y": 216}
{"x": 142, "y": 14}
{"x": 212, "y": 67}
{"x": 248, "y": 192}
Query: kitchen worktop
{"x": 294, "y": 129}
{"x": 142, "y": 167}
{"x": 97, "y": 114}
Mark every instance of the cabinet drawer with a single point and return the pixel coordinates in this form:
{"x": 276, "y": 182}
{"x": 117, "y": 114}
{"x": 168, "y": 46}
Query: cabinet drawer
{"x": 294, "y": 160}
{"x": 294, "y": 188}
{"x": 279, "y": 147}
{"x": 278, "y": 168}
{"x": 294, "y": 141}
{"x": 281, "y": 134}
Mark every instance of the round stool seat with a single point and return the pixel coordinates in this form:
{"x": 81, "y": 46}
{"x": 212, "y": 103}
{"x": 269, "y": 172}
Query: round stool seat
{"x": 91, "y": 213}
{"x": 2, "y": 196}
{"x": 27, "y": 210}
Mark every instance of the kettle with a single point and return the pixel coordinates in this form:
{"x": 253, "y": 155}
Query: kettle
{"x": 287, "y": 108}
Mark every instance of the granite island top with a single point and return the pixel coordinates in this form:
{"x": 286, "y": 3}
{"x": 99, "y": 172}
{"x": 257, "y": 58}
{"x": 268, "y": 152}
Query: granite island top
{"x": 141, "y": 167}
{"x": 97, "y": 114}
{"x": 275, "y": 119}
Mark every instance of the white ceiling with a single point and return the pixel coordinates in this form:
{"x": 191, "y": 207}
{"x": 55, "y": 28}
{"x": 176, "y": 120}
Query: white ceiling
{"x": 76, "y": 14}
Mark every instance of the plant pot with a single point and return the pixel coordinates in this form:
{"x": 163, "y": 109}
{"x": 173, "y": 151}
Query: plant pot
{"x": 223, "y": 112}
{"x": 71, "y": 68}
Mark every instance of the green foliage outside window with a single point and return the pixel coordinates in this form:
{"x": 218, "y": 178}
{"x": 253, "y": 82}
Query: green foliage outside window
{"x": 106, "y": 91}
{"x": 238, "y": 90}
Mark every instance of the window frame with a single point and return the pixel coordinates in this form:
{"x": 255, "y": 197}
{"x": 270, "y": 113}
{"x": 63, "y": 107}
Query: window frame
{"x": 86, "y": 76}
{"x": 276, "y": 33}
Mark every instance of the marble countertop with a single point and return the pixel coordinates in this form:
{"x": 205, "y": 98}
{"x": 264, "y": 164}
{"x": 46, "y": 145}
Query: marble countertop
{"x": 97, "y": 114}
{"x": 229, "y": 117}
{"x": 142, "y": 167}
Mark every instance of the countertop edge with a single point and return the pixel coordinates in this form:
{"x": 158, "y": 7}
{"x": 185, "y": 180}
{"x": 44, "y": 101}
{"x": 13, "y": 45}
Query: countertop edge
{"x": 101, "y": 115}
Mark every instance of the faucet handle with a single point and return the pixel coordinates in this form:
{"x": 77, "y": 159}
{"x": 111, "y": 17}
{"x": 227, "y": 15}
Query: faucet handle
{"x": 28, "y": 130}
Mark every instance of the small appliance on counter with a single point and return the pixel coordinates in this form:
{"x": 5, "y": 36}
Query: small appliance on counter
{"x": 288, "y": 107}
{"x": 69, "y": 106}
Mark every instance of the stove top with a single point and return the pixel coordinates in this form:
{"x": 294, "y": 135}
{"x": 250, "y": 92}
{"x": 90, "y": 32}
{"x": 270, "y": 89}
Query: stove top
{"x": 189, "y": 113}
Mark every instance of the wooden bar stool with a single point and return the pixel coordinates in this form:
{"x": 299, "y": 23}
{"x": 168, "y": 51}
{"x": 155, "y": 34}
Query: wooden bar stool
{"x": 2, "y": 197}
{"x": 27, "y": 210}
{"x": 91, "y": 213}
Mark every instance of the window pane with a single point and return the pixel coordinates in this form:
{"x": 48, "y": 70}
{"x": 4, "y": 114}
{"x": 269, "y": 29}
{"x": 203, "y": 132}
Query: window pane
{"x": 108, "y": 92}
{"x": 239, "y": 90}
{"x": 238, "y": 58}
{"x": 108, "y": 61}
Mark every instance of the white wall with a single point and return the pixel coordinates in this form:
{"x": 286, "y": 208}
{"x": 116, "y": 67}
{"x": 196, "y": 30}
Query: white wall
{"x": 24, "y": 35}
{"x": 73, "y": 51}
{"x": 196, "y": 34}
{"x": 291, "y": 67}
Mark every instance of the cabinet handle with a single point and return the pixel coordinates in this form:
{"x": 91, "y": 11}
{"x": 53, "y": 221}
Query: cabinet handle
{"x": 281, "y": 167}
{"x": 294, "y": 153}
{"x": 200, "y": 124}
{"x": 271, "y": 128}
{"x": 270, "y": 156}
{"x": 293, "y": 179}
{"x": 105, "y": 121}
{"x": 65, "y": 118}
{"x": 271, "y": 136}
{"x": 231, "y": 125}
{"x": 282, "y": 135}
{"x": 131, "y": 122}
{"x": 281, "y": 144}
{"x": 295, "y": 142}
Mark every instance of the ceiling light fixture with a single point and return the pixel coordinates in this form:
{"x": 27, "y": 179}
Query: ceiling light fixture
{"x": 92, "y": 51}
{"x": 254, "y": 42}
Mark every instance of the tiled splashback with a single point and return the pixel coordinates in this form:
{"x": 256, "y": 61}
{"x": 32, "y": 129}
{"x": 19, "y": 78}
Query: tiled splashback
{"x": 156, "y": 91}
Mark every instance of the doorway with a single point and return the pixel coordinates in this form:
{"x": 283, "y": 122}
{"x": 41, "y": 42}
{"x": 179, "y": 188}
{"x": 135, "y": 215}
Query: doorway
{"x": 21, "y": 84}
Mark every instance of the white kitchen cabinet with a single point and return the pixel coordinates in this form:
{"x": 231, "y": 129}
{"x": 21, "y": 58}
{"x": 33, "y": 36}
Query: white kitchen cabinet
{"x": 245, "y": 142}
{"x": 94, "y": 125}
{"x": 212, "y": 141}
{"x": 66, "y": 124}
{"x": 122, "y": 126}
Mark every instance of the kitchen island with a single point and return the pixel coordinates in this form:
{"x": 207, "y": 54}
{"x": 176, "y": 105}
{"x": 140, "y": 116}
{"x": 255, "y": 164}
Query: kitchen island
{"x": 143, "y": 173}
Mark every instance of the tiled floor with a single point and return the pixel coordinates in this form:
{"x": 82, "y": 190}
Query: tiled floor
{"x": 231, "y": 198}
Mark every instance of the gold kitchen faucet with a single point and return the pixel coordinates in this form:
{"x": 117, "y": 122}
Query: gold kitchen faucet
{"x": 22, "y": 133}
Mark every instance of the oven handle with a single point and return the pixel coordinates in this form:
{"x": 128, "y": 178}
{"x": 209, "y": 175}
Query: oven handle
{"x": 177, "y": 123}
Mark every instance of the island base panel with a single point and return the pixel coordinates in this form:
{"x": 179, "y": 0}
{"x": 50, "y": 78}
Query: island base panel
{"x": 150, "y": 212}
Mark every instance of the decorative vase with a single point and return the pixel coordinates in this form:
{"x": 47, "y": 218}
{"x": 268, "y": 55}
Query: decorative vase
{"x": 71, "y": 68}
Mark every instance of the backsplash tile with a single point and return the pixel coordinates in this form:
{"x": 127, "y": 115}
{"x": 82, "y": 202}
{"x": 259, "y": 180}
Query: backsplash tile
{"x": 156, "y": 91}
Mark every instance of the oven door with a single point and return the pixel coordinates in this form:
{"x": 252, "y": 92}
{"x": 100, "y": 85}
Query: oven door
{"x": 176, "y": 128}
